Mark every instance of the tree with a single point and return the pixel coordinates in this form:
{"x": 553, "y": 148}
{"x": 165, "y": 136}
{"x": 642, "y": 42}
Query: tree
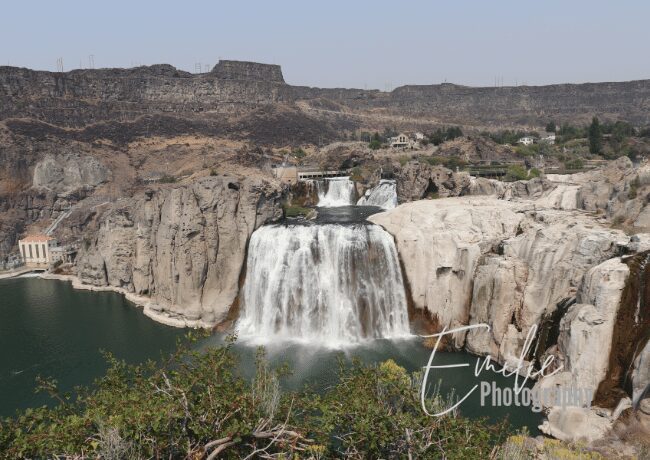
{"x": 550, "y": 127}
{"x": 375, "y": 143}
{"x": 595, "y": 136}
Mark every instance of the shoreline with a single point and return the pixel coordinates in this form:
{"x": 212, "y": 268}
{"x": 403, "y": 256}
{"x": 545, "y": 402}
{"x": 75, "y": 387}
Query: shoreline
{"x": 149, "y": 307}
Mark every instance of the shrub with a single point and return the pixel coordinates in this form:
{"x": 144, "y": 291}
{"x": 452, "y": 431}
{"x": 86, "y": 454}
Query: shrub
{"x": 299, "y": 153}
{"x": 295, "y": 211}
{"x": 166, "y": 179}
{"x": 516, "y": 172}
{"x": 575, "y": 163}
{"x": 196, "y": 405}
{"x": 375, "y": 144}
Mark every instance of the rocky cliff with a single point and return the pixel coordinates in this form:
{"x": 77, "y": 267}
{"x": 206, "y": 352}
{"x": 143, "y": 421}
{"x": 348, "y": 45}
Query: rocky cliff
{"x": 182, "y": 247}
{"x": 82, "y": 97}
{"x": 527, "y": 262}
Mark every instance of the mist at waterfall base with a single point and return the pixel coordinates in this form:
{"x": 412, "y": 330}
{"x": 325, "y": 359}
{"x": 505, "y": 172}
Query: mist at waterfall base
{"x": 317, "y": 367}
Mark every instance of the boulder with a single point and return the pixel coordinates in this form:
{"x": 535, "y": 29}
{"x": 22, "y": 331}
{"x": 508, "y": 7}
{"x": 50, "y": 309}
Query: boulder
{"x": 575, "y": 424}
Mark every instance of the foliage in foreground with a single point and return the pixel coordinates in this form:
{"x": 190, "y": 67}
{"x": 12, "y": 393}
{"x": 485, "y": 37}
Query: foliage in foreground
{"x": 196, "y": 406}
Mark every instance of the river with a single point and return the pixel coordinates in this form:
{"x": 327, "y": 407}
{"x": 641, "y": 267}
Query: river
{"x": 47, "y": 328}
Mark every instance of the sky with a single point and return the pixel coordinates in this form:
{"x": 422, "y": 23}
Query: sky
{"x": 360, "y": 44}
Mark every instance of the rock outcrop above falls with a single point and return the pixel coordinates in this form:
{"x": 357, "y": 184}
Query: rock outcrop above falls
{"x": 183, "y": 247}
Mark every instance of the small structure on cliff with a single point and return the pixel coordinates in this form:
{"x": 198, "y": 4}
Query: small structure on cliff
{"x": 36, "y": 250}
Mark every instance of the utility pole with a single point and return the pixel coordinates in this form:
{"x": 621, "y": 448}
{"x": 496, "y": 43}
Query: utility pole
{"x": 59, "y": 64}
{"x": 91, "y": 61}
{"x": 197, "y": 67}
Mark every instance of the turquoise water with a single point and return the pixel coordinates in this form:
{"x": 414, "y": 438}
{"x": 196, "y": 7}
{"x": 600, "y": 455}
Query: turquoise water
{"x": 47, "y": 328}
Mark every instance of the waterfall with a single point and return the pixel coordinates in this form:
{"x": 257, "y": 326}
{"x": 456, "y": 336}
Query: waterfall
{"x": 327, "y": 284}
{"x": 383, "y": 195}
{"x": 335, "y": 192}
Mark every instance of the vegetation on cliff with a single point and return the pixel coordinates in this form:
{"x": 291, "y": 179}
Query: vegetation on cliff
{"x": 197, "y": 406}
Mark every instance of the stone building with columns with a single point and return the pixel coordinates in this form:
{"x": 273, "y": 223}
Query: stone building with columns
{"x": 36, "y": 250}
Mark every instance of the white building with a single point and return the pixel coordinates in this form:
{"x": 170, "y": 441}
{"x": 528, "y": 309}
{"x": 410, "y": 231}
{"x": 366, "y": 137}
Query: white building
{"x": 36, "y": 250}
{"x": 527, "y": 140}
{"x": 419, "y": 136}
{"x": 400, "y": 141}
{"x": 548, "y": 138}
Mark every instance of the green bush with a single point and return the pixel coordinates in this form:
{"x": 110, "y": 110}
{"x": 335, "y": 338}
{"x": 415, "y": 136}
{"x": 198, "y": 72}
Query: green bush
{"x": 166, "y": 179}
{"x": 516, "y": 172}
{"x": 196, "y": 405}
{"x": 575, "y": 163}
{"x": 375, "y": 144}
{"x": 441, "y": 135}
{"x": 295, "y": 211}
{"x": 299, "y": 153}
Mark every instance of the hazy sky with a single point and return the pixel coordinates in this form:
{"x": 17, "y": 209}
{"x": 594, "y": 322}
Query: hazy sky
{"x": 373, "y": 44}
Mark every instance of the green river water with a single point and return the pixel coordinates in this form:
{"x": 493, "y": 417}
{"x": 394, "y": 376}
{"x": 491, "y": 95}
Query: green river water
{"x": 47, "y": 328}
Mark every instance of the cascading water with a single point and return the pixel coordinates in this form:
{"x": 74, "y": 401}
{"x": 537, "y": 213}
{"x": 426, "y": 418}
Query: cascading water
{"x": 383, "y": 195}
{"x": 335, "y": 192}
{"x": 327, "y": 284}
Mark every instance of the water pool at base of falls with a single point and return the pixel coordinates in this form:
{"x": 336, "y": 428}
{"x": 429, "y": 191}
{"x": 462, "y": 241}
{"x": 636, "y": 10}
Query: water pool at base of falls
{"x": 317, "y": 367}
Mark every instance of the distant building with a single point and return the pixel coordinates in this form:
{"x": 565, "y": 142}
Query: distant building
{"x": 63, "y": 254}
{"x": 526, "y": 140}
{"x": 419, "y": 136}
{"x": 288, "y": 174}
{"x": 547, "y": 138}
{"x": 36, "y": 250}
{"x": 400, "y": 141}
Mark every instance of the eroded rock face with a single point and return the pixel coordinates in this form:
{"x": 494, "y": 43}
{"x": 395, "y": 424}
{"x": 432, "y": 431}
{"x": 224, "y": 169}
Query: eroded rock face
{"x": 65, "y": 173}
{"x": 441, "y": 243}
{"x": 184, "y": 247}
{"x": 417, "y": 180}
{"x": 473, "y": 260}
{"x": 586, "y": 331}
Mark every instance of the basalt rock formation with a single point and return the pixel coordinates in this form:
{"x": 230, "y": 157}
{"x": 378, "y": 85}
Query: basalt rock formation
{"x": 81, "y": 97}
{"x": 183, "y": 247}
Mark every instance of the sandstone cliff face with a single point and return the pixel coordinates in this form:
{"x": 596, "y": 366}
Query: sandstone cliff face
{"x": 183, "y": 247}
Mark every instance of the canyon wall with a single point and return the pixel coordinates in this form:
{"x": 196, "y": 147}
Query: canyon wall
{"x": 81, "y": 97}
{"x": 520, "y": 266}
{"x": 183, "y": 247}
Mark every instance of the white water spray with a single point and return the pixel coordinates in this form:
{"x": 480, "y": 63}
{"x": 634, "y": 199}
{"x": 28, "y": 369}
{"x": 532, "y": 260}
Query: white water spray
{"x": 330, "y": 284}
{"x": 383, "y": 195}
{"x": 335, "y": 192}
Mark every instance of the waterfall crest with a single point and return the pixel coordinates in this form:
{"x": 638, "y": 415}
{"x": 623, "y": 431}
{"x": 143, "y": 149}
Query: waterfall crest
{"x": 383, "y": 195}
{"x": 327, "y": 284}
{"x": 335, "y": 192}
